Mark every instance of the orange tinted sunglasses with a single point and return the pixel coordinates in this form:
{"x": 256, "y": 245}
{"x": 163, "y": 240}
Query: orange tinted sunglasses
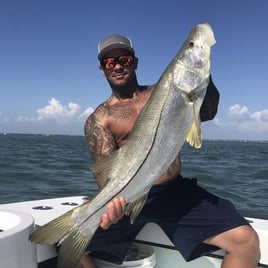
{"x": 124, "y": 60}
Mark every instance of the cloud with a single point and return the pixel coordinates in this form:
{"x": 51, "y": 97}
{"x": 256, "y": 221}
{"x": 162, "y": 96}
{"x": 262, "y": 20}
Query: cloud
{"x": 260, "y": 116}
{"x": 238, "y": 111}
{"x": 83, "y": 116}
{"x": 56, "y": 110}
{"x": 241, "y": 123}
{"x": 242, "y": 113}
{"x": 56, "y": 118}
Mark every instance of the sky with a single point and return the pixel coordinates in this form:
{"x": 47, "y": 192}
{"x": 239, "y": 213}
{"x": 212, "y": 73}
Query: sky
{"x": 49, "y": 76}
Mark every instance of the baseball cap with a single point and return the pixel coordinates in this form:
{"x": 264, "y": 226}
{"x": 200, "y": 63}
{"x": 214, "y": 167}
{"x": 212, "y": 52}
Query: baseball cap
{"x": 114, "y": 41}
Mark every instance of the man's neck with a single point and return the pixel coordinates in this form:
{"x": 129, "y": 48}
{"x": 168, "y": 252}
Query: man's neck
{"x": 125, "y": 92}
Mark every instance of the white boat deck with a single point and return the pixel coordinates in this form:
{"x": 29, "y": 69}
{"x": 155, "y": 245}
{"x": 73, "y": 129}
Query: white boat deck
{"x": 45, "y": 210}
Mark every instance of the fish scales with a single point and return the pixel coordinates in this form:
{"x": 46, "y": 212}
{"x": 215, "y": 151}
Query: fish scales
{"x": 170, "y": 117}
{"x": 174, "y": 125}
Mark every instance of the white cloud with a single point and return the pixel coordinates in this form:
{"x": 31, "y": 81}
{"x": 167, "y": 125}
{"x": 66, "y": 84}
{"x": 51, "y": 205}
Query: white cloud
{"x": 55, "y": 110}
{"x": 58, "y": 111}
{"x": 83, "y": 116}
{"x": 56, "y": 118}
{"x": 260, "y": 116}
{"x": 242, "y": 113}
{"x": 241, "y": 124}
{"x": 238, "y": 111}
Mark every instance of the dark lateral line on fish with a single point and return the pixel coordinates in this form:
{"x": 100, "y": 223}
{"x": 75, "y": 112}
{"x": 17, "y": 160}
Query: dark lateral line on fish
{"x": 213, "y": 255}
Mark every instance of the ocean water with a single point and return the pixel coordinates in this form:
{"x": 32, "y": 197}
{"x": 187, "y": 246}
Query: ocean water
{"x": 38, "y": 167}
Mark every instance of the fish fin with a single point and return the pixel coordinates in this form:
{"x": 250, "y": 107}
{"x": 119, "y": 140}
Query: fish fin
{"x": 134, "y": 208}
{"x": 194, "y": 137}
{"x": 103, "y": 167}
{"x": 73, "y": 247}
{"x": 56, "y": 229}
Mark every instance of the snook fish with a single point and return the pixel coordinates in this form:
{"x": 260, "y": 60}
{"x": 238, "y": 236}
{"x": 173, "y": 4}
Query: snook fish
{"x": 170, "y": 117}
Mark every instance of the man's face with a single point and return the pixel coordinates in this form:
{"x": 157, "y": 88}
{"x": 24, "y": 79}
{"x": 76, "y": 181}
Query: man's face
{"x": 118, "y": 66}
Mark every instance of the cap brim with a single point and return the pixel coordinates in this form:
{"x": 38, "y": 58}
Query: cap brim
{"x": 114, "y": 46}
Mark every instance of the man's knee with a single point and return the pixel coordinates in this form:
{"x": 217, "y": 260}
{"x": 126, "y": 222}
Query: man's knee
{"x": 240, "y": 238}
{"x": 246, "y": 237}
{"x": 253, "y": 238}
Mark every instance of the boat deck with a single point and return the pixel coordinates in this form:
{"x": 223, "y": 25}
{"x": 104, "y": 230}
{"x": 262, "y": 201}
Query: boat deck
{"x": 152, "y": 235}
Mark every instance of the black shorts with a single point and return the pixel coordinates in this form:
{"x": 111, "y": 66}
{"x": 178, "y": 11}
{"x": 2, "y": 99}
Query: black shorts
{"x": 187, "y": 213}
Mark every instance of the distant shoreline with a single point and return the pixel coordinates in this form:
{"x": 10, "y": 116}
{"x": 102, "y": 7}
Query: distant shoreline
{"x": 79, "y": 135}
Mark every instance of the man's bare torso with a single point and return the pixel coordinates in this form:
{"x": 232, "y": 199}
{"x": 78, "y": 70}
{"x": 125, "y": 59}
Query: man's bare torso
{"x": 115, "y": 119}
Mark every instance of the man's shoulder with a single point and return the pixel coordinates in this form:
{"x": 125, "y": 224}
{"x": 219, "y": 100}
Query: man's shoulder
{"x": 95, "y": 119}
{"x": 100, "y": 110}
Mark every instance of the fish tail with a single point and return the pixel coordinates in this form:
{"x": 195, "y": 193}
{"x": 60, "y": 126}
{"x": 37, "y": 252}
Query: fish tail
{"x": 73, "y": 247}
{"x": 54, "y": 230}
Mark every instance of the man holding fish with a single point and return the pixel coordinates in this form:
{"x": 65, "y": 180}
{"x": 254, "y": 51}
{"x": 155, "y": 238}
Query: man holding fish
{"x": 135, "y": 137}
{"x": 108, "y": 128}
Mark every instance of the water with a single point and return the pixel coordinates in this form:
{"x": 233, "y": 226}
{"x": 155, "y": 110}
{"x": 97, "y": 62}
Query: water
{"x": 38, "y": 167}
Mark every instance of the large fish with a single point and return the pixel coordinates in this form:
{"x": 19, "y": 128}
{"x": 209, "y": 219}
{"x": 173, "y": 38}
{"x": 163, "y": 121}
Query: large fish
{"x": 170, "y": 117}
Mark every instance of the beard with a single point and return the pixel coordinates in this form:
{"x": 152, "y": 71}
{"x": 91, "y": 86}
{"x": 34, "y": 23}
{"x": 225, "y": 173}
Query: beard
{"x": 124, "y": 87}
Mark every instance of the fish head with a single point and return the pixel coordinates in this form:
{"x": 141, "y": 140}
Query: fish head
{"x": 194, "y": 57}
{"x": 195, "y": 52}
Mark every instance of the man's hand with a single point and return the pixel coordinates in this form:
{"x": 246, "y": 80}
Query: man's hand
{"x": 116, "y": 211}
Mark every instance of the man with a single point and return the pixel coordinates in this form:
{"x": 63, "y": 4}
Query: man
{"x": 196, "y": 221}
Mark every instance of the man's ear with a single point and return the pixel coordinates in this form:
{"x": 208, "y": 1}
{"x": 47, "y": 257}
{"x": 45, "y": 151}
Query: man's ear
{"x": 135, "y": 63}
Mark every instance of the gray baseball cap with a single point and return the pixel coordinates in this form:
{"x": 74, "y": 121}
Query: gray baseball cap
{"x": 114, "y": 41}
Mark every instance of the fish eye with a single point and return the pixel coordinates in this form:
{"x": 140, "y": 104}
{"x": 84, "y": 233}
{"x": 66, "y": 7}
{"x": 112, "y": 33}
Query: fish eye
{"x": 191, "y": 44}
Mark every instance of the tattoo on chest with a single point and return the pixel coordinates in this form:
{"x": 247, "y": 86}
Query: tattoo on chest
{"x": 125, "y": 111}
{"x": 120, "y": 112}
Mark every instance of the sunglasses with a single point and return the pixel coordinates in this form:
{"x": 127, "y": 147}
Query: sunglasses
{"x": 109, "y": 63}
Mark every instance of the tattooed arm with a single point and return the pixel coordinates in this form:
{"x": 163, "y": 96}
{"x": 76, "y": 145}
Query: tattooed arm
{"x": 101, "y": 144}
{"x": 100, "y": 140}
